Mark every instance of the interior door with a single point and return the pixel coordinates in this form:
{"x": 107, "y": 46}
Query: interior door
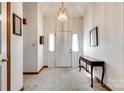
{"x": 3, "y": 47}
{"x": 63, "y": 49}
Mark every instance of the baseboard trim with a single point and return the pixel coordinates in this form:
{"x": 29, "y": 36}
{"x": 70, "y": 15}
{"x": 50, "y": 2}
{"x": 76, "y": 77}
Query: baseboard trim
{"x": 35, "y": 73}
{"x": 45, "y": 66}
{"x": 30, "y": 73}
{"x": 104, "y": 85}
{"x": 40, "y": 70}
{"x": 21, "y": 89}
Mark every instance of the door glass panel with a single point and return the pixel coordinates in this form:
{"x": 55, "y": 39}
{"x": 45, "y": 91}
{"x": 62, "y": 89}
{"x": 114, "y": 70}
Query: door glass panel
{"x": 75, "y": 44}
{"x": 51, "y": 42}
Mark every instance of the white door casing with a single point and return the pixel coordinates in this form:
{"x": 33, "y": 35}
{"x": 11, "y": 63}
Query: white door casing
{"x": 63, "y": 49}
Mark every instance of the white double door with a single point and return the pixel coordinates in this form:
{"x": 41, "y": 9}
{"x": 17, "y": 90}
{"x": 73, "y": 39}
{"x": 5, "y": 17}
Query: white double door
{"x": 63, "y": 49}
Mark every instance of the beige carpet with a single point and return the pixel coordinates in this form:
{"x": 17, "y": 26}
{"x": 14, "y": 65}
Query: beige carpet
{"x": 60, "y": 79}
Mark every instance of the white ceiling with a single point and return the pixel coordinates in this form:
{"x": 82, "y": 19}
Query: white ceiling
{"x": 74, "y": 9}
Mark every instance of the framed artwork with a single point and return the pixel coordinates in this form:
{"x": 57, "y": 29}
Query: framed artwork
{"x": 94, "y": 37}
{"x": 42, "y": 40}
{"x": 17, "y": 25}
{"x": 24, "y": 21}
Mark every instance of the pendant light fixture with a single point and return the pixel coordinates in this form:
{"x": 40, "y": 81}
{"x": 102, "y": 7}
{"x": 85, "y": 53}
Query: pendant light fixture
{"x": 62, "y": 13}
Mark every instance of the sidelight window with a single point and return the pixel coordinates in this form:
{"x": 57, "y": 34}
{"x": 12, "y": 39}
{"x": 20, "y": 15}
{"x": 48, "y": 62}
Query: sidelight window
{"x": 51, "y": 42}
{"x": 75, "y": 43}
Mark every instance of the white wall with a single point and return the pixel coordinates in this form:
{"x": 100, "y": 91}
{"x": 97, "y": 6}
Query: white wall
{"x": 0, "y": 46}
{"x": 30, "y": 37}
{"x": 123, "y": 32}
{"x": 33, "y": 51}
{"x": 16, "y": 51}
{"x": 52, "y": 25}
{"x": 0, "y": 28}
{"x": 123, "y": 37}
{"x": 108, "y": 17}
{"x": 40, "y": 32}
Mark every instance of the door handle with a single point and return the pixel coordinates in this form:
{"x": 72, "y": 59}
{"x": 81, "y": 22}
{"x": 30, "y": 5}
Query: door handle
{"x": 4, "y": 60}
{"x": 70, "y": 50}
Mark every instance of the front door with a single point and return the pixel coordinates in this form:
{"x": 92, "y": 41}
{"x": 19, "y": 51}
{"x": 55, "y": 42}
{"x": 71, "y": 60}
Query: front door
{"x": 63, "y": 49}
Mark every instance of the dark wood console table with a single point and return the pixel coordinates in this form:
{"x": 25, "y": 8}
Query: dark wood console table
{"x": 92, "y": 62}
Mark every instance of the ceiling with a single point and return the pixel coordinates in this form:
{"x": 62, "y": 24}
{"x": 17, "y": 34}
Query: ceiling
{"x": 74, "y": 9}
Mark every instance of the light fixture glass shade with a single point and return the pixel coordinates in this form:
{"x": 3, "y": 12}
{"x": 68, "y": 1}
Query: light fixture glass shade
{"x": 62, "y": 15}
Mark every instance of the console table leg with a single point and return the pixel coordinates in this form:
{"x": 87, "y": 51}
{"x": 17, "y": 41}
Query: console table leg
{"x": 91, "y": 76}
{"x": 102, "y": 74}
{"x": 86, "y": 67}
{"x": 79, "y": 64}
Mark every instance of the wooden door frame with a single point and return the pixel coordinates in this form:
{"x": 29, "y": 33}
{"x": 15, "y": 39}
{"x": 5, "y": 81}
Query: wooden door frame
{"x": 9, "y": 46}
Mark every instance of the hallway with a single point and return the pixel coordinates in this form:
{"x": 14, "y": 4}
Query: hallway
{"x": 60, "y": 79}
{"x": 63, "y": 36}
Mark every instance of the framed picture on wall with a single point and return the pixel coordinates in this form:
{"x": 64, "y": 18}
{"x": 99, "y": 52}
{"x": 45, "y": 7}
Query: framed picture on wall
{"x": 94, "y": 37}
{"x": 17, "y": 25}
{"x": 41, "y": 40}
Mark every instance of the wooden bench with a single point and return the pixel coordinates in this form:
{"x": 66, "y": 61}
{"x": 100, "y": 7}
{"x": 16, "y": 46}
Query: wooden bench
{"x": 92, "y": 62}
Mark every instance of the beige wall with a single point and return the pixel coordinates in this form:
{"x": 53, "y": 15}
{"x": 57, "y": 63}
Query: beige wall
{"x": 109, "y": 19}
